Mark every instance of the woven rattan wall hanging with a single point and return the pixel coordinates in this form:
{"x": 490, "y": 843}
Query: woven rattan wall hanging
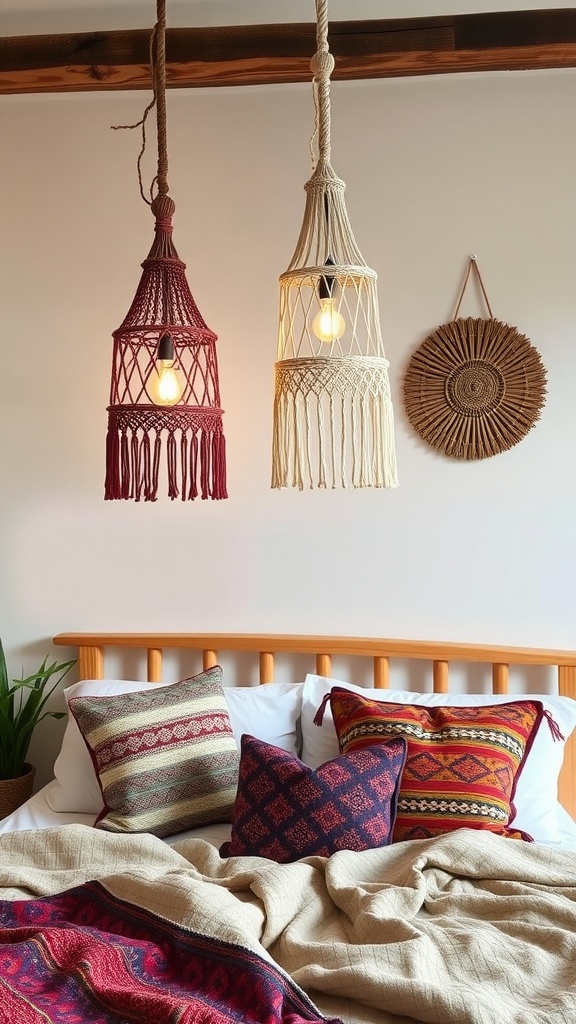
{"x": 474, "y": 387}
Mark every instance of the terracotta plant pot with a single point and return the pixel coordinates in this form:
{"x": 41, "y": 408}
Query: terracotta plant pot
{"x": 13, "y": 792}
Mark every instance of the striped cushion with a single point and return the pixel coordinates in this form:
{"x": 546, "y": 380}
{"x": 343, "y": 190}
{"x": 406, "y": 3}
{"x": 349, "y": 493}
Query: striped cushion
{"x": 165, "y": 758}
{"x": 462, "y": 765}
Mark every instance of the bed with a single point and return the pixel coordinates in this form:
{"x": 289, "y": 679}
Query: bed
{"x": 369, "y": 890}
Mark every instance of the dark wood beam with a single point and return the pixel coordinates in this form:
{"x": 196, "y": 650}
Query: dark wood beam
{"x": 264, "y": 54}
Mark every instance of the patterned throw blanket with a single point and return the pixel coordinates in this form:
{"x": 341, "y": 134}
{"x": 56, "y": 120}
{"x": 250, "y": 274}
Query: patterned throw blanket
{"x": 468, "y": 928}
{"x": 88, "y": 956}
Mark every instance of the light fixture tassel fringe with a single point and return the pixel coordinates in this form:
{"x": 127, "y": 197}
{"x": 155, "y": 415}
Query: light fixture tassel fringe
{"x": 195, "y": 455}
{"x": 316, "y": 416}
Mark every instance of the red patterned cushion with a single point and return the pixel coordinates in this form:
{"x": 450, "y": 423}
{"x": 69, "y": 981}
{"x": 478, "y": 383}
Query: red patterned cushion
{"x": 285, "y": 810}
{"x": 462, "y": 764}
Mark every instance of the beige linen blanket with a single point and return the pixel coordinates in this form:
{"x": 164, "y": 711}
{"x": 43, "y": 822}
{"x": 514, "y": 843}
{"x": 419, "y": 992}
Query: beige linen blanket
{"x": 468, "y": 928}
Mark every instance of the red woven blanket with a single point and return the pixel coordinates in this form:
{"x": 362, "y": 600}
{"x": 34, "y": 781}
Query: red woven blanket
{"x": 87, "y": 957}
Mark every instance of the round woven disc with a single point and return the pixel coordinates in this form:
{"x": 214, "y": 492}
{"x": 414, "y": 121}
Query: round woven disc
{"x": 474, "y": 388}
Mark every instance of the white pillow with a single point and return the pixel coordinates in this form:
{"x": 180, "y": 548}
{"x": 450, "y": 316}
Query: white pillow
{"x": 536, "y": 797}
{"x": 269, "y": 712}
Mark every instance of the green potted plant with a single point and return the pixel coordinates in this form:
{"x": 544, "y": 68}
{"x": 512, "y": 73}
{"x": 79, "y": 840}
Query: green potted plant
{"x": 22, "y": 707}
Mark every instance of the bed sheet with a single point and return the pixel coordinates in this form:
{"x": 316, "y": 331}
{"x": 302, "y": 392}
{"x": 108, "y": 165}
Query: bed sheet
{"x": 37, "y": 813}
{"x": 567, "y": 828}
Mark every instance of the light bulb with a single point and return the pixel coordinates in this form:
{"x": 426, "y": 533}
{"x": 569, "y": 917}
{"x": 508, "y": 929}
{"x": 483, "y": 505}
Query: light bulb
{"x": 328, "y": 324}
{"x": 166, "y": 388}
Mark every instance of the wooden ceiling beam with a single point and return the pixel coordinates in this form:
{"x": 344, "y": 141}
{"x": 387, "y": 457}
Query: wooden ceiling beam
{"x": 265, "y": 54}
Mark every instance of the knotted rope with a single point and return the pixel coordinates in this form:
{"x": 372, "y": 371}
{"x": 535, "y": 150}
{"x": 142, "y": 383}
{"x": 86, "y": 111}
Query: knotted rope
{"x": 322, "y": 66}
{"x": 158, "y": 71}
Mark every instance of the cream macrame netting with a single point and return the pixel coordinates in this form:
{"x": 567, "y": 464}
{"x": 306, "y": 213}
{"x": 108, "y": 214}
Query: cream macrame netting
{"x": 333, "y": 416}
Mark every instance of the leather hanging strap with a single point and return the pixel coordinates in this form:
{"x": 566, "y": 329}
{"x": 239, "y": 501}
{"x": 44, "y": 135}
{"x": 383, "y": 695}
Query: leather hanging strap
{"x": 472, "y": 265}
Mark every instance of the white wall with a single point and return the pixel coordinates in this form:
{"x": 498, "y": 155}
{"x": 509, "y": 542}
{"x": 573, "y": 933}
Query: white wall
{"x": 436, "y": 168}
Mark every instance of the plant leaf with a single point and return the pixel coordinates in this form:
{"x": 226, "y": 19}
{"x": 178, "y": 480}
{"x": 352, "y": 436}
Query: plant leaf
{"x": 22, "y": 708}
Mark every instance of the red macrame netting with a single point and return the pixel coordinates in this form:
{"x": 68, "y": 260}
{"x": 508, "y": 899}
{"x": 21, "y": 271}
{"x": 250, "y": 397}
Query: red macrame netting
{"x": 138, "y": 430}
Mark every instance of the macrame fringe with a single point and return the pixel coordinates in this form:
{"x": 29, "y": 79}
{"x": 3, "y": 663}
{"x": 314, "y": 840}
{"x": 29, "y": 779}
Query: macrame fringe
{"x": 333, "y": 441}
{"x": 196, "y": 464}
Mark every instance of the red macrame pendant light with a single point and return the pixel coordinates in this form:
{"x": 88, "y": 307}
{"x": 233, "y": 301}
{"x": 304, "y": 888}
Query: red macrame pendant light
{"x": 164, "y": 393}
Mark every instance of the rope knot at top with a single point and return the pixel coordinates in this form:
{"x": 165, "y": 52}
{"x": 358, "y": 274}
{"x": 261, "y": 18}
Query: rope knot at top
{"x": 163, "y": 208}
{"x": 322, "y": 64}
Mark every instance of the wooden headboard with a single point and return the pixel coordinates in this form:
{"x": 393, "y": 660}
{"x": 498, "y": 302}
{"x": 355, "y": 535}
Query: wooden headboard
{"x": 92, "y": 647}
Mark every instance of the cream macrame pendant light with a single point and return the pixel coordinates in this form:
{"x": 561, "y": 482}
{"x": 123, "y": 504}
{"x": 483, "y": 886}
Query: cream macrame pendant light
{"x": 333, "y": 417}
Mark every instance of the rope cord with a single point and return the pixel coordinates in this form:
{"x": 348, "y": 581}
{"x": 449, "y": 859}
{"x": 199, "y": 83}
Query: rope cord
{"x": 157, "y": 50}
{"x": 322, "y": 66}
{"x": 159, "y": 73}
{"x": 326, "y": 232}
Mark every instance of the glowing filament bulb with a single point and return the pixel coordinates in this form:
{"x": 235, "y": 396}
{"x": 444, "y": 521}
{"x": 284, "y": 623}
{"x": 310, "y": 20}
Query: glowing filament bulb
{"x": 167, "y": 387}
{"x": 328, "y": 324}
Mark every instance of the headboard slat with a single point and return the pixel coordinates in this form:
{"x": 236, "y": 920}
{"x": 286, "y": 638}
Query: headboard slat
{"x": 266, "y": 667}
{"x": 499, "y": 678}
{"x": 209, "y": 659}
{"x": 154, "y": 664}
{"x": 323, "y": 665}
{"x": 381, "y": 673}
{"x": 90, "y": 662}
{"x": 567, "y": 780}
{"x": 440, "y": 676}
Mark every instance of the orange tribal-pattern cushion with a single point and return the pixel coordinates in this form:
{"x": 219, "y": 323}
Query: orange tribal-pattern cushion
{"x": 462, "y": 763}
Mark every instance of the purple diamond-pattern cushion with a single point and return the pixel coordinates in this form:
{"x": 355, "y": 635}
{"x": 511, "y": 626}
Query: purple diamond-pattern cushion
{"x": 285, "y": 810}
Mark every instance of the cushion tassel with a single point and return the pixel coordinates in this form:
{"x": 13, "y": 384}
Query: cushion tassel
{"x": 319, "y": 716}
{"x": 553, "y": 725}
